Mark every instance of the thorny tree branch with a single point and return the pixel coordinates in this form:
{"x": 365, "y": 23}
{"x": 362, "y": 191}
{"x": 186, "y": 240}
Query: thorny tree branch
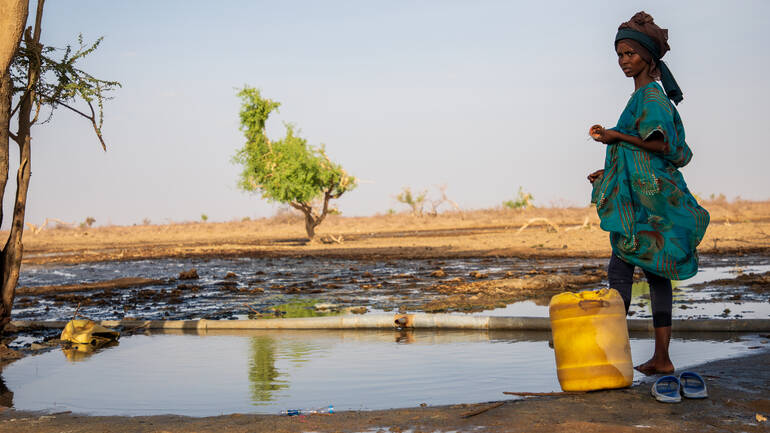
{"x": 70, "y": 82}
{"x": 92, "y": 118}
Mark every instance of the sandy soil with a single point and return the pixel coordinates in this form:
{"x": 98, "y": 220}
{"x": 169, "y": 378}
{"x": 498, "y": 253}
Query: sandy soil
{"x": 739, "y": 387}
{"x": 736, "y": 228}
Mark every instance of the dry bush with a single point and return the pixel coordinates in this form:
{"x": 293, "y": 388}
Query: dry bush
{"x": 286, "y": 215}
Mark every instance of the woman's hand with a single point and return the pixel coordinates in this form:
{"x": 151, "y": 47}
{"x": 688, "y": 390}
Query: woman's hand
{"x": 654, "y": 143}
{"x": 595, "y": 175}
{"x": 606, "y": 136}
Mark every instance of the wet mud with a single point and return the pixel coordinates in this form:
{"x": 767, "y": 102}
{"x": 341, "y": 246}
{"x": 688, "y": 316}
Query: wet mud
{"x": 483, "y": 295}
{"x": 118, "y": 283}
{"x": 756, "y": 282}
{"x": 222, "y": 289}
{"x": 250, "y": 288}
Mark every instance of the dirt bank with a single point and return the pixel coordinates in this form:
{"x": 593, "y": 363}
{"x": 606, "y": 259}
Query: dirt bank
{"x": 736, "y": 228}
{"x": 739, "y": 390}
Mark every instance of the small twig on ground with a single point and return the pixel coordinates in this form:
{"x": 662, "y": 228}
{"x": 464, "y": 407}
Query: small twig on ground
{"x": 130, "y": 330}
{"x": 76, "y": 314}
{"x": 330, "y": 239}
{"x": 534, "y": 220}
{"x": 530, "y": 394}
{"x": 249, "y": 307}
{"x": 37, "y": 229}
{"x": 585, "y": 225}
{"x": 482, "y": 410}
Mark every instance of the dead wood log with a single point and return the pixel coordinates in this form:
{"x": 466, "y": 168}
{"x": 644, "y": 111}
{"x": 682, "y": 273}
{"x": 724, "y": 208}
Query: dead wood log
{"x": 540, "y": 394}
{"x": 534, "y": 220}
{"x": 481, "y": 410}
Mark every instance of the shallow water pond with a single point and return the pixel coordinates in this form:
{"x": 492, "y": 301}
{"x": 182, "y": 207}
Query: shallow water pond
{"x": 270, "y": 371}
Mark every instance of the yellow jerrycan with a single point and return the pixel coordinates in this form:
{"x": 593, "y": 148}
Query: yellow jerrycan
{"x": 590, "y": 339}
{"x": 88, "y": 332}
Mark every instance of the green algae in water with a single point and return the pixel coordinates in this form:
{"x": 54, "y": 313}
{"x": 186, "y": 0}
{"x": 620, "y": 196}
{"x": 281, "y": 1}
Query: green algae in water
{"x": 300, "y": 308}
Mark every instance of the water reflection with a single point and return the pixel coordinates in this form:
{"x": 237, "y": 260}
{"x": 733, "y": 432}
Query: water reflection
{"x": 263, "y": 375}
{"x": 405, "y": 337}
{"x": 79, "y": 352}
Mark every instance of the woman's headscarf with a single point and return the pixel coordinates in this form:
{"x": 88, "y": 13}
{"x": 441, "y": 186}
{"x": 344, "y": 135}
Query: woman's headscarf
{"x": 650, "y": 42}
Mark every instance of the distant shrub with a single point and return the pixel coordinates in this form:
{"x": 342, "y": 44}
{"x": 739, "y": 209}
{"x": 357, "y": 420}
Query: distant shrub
{"x": 87, "y": 223}
{"x": 418, "y": 201}
{"x": 415, "y": 201}
{"x": 204, "y": 217}
{"x": 522, "y": 201}
{"x": 720, "y": 199}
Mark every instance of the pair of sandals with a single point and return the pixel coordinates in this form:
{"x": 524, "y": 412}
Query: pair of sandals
{"x": 670, "y": 389}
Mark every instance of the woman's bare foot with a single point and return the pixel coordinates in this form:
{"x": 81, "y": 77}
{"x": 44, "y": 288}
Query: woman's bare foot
{"x": 654, "y": 366}
{"x": 660, "y": 363}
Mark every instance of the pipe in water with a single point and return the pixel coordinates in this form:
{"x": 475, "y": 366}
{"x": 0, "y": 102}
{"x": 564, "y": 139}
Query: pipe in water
{"x": 410, "y": 321}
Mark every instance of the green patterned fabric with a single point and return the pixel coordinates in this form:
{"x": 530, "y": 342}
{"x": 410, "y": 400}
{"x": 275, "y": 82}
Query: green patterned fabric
{"x": 642, "y": 199}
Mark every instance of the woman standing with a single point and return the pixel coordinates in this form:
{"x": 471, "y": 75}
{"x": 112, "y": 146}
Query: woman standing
{"x": 640, "y": 195}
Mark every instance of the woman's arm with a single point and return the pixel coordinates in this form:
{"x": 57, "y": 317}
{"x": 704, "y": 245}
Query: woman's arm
{"x": 595, "y": 175}
{"x": 653, "y": 143}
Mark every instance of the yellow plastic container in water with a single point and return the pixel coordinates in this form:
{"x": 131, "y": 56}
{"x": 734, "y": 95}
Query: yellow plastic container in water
{"x": 590, "y": 339}
{"x": 81, "y": 331}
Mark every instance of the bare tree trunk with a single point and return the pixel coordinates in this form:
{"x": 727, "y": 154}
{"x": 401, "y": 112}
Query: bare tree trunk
{"x": 6, "y": 88}
{"x": 313, "y": 220}
{"x": 310, "y": 225}
{"x": 11, "y": 255}
{"x": 13, "y": 16}
{"x": 310, "y": 221}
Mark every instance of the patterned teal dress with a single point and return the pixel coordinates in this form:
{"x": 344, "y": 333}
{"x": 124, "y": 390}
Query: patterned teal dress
{"x": 642, "y": 200}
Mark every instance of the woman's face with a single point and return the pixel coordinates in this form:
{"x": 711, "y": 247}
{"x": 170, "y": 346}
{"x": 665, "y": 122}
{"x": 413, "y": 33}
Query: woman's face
{"x": 630, "y": 62}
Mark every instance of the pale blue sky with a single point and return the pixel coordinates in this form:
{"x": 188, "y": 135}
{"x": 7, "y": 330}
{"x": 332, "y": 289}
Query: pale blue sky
{"x": 482, "y": 96}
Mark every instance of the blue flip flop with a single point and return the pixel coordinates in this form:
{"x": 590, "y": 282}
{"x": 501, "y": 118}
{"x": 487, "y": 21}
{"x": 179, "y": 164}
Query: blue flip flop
{"x": 666, "y": 390}
{"x": 693, "y": 386}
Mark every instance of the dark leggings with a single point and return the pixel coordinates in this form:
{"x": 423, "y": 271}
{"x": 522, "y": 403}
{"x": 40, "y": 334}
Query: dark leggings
{"x": 621, "y": 277}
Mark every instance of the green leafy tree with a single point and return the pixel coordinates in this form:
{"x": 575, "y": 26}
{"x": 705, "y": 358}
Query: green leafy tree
{"x": 288, "y": 170}
{"x": 34, "y": 83}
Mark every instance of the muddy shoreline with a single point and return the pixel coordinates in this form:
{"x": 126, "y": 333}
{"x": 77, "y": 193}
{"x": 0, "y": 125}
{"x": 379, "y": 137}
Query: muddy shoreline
{"x": 260, "y": 288}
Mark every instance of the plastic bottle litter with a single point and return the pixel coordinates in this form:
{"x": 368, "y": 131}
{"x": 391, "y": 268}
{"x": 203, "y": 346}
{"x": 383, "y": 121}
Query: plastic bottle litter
{"x": 297, "y": 412}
